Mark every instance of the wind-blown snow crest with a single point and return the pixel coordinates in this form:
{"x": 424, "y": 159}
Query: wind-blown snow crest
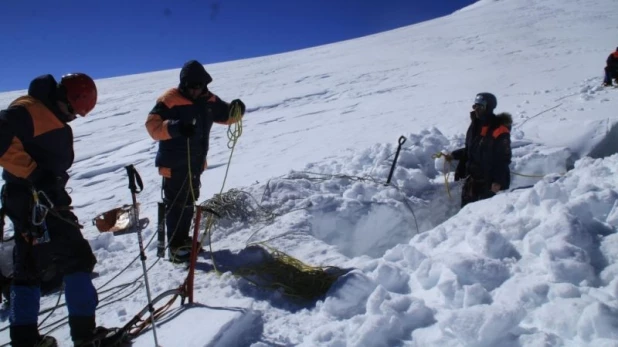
{"x": 525, "y": 268}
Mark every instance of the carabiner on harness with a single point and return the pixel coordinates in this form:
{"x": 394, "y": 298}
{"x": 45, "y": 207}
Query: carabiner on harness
{"x": 39, "y": 231}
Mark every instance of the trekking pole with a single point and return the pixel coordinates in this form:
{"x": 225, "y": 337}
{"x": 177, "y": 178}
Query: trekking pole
{"x": 402, "y": 140}
{"x": 133, "y": 178}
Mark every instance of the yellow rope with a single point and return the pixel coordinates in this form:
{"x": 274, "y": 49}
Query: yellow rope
{"x": 315, "y": 279}
{"x": 295, "y": 278}
{"x": 191, "y": 191}
{"x": 234, "y": 131}
{"x": 446, "y": 170}
{"x": 190, "y": 174}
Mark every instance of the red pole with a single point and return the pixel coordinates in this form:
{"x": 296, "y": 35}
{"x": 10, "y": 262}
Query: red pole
{"x": 194, "y": 251}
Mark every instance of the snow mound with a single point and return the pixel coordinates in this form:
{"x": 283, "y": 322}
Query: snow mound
{"x": 540, "y": 261}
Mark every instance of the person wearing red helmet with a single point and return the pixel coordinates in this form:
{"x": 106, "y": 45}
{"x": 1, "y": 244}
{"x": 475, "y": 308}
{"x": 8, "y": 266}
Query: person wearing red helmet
{"x": 36, "y": 151}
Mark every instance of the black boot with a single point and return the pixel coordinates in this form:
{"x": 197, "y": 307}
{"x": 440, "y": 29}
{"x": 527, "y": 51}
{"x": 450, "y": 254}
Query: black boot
{"x": 28, "y": 336}
{"x": 104, "y": 337}
{"x": 82, "y": 328}
{"x": 47, "y": 341}
{"x": 24, "y": 335}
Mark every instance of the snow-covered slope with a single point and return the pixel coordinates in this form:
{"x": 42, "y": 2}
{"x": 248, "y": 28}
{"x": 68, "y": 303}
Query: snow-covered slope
{"x": 532, "y": 267}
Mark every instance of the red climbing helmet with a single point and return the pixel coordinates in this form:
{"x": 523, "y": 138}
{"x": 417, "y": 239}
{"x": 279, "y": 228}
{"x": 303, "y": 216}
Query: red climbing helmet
{"x": 81, "y": 92}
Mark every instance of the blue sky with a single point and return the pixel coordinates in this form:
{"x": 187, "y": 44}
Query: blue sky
{"x": 108, "y": 38}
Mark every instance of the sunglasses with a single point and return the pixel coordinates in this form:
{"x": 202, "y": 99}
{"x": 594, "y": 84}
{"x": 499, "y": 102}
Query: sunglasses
{"x": 478, "y": 107}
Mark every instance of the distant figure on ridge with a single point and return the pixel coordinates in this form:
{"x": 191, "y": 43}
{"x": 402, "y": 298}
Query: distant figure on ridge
{"x": 611, "y": 69}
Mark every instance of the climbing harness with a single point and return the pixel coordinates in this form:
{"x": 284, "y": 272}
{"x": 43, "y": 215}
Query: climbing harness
{"x": 39, "y": 234}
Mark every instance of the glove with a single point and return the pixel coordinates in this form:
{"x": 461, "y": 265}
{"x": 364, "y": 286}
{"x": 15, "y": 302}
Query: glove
{"x": 187, "y": 129}
{"x": 240, "y": 104}
{"x": 448, "y": 157}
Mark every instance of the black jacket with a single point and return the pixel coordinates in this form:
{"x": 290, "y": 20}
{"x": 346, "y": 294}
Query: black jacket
{"x": 612, "y": 61}
{"x": 171, "y": 112}
{"x": 487, "y": 154}
{"x": 174, "y": 111}
{"x": 36, "y": 143}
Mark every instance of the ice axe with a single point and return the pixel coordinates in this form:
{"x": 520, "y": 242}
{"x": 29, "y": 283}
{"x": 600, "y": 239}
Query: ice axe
{"x": 402, "y": 140}
{"x": 134, "y": 181}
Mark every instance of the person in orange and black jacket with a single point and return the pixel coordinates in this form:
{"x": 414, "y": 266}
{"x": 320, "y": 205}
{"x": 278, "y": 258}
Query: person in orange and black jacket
{"x": 36, "y": 151}
{"x": 181, "y": 121}
{"x": 485, "y": 159}
{"x": 611, "y": 68}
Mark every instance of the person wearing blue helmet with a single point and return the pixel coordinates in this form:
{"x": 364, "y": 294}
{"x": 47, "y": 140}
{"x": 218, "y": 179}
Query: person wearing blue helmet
{"x": 484, "y": 161}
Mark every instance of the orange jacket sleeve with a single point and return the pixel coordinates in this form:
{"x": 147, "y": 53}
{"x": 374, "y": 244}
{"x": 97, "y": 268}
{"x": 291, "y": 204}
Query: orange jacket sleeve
{"x": 15, "y": 128}
{"x": 157, "y": 128}
{"x": 159, "y": 125}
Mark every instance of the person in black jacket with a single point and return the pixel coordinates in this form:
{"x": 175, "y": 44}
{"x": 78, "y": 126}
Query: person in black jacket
{"x": 181, "y": 120}
{"x": 36, "y": 152}
{"x": 484, "y": 161}
{"x": 611, "y": 68}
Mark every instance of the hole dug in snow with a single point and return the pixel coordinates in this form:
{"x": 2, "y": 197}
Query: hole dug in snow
{"x": 379, "y": 228}
{"x": 608, "y": 145}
